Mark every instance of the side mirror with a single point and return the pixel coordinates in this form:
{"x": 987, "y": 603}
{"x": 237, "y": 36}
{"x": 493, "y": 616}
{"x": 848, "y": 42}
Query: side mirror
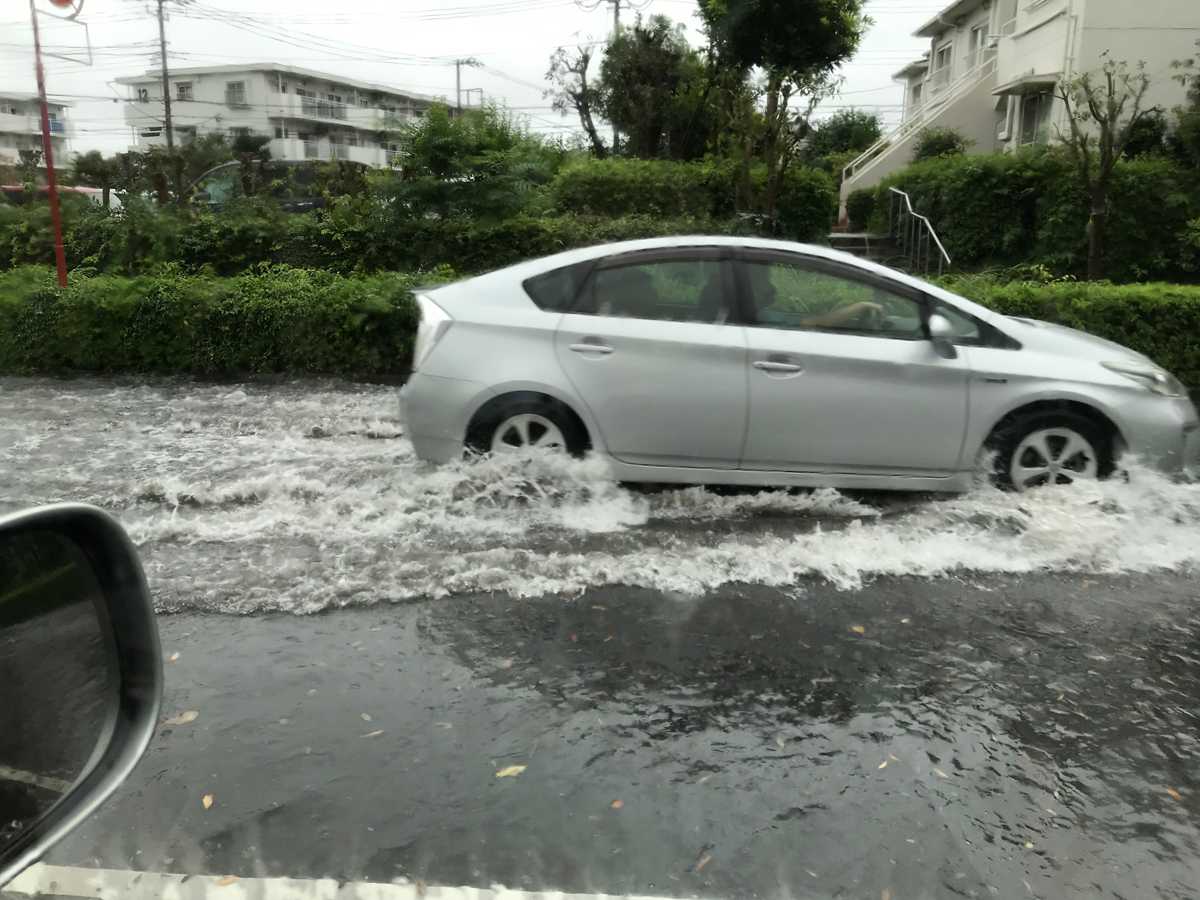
{"x": 80, "y": 673}
{"x": 941, "y": 333}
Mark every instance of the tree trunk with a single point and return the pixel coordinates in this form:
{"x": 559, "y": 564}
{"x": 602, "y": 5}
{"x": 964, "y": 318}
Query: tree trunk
{"x": 105, "y": 192}
{"x": 1096, "y": 232}
{"x": 771, "y": 146}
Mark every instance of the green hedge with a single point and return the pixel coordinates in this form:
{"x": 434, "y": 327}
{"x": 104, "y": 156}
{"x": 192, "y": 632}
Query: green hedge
{"x": 1159, "y": 320}
{"x": 273, "y": 319}
{"x": 1010, "y": 208}
{"x": 703, "y": 189}
{"x": 284, "y": 319}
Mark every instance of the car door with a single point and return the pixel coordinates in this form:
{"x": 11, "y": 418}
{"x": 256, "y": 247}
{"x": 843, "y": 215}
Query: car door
{"x": 651, "y": 348}
{"x": 842, "y": 376}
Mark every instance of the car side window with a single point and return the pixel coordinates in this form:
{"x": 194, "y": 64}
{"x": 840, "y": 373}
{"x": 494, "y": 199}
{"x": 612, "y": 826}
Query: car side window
{"x": 674, "y": 290}
{"x": 796, "y": 296}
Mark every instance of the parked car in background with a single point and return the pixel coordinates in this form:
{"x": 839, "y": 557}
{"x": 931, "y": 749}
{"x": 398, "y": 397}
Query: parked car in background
{"x": 759, "y": 362}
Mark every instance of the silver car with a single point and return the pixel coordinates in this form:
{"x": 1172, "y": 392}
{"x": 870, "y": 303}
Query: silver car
{"x": 714, "y": 360}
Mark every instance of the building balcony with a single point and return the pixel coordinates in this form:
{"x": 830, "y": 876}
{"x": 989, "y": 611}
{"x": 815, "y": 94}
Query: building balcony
{"x": 30, "y": 123}
{"x": 314, "y": 109}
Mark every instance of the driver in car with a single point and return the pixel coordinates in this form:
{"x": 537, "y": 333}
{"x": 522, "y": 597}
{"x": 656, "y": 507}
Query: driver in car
{"x": 862, "y": 314}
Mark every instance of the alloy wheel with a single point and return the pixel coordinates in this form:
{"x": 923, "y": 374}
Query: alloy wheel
{"x": 1052, "y": 456}
{"x": 525, "y": 430}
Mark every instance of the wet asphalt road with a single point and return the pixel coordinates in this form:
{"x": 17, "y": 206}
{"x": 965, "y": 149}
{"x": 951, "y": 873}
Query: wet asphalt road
{"x": 809, "y": 695}
{"x": 990, "y": 737}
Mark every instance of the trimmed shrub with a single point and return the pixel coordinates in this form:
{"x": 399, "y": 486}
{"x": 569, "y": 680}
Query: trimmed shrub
{"x": 860, "y": 207}
{"x": 1159, "y": 320}
{"x": 1008, "y": 208}
{"x": 934, "y": 143}
{"x": 274, "y": 319}
{"x": 706, "y": 189}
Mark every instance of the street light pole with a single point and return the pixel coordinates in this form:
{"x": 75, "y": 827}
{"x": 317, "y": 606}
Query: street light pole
{"x": 60, "y": 256}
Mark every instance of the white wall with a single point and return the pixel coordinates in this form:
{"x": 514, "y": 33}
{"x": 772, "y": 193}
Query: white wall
{"x": 1156, "y": 31}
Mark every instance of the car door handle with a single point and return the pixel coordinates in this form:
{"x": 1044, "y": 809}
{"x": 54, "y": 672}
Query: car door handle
{"x": 770, "y": 365}
{"x": 591, "y": 348}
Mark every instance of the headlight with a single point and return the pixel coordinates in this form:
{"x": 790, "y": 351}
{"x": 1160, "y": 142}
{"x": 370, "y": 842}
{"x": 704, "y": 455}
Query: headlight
{"x": 1157, "y": 380}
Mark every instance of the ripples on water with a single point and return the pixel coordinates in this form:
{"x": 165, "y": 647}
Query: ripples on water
{"x": 306, "y": 496}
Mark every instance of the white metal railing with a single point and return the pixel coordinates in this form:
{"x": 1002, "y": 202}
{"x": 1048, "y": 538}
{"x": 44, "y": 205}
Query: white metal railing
{"x": 914, "y": 234}
{"x": 929, "y": 108}
{"x": 318, "y": 108}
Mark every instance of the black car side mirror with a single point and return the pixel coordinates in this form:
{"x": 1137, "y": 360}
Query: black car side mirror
{"x": 941, "y": 333}
{"x": 80, "y": 673}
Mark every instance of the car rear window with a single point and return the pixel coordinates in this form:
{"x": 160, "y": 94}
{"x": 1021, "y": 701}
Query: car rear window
{"x": 554, "y": 291}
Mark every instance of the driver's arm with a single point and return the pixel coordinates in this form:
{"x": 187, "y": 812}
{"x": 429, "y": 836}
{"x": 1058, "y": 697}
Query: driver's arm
{"x": 854, "y": 313}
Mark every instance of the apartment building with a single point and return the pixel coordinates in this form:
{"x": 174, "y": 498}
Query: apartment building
{"x": 307, "y": 115}
{"x": 21, "y": 127}
{"x": 992, "y": 66}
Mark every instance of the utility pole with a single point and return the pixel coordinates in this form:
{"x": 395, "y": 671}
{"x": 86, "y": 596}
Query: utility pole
{"x": 60, "y": 256}
{"x": 166, "y": 81}
{"x": 458, "y": 64}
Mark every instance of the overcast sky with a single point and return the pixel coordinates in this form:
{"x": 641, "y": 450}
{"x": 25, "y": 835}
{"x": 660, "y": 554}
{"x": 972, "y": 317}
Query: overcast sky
{"x": 406, "y": 43}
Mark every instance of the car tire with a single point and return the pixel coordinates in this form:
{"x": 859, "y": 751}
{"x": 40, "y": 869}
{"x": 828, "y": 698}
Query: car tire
{"x": 524, "y": 420}
{"x": 1056, "y": 447}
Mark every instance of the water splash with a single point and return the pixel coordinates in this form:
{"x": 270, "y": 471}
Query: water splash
{"x": 306, "y": 496}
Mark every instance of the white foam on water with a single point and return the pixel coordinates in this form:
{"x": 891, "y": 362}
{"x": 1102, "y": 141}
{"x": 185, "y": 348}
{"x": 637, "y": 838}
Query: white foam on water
{"x": 303, "y": 497}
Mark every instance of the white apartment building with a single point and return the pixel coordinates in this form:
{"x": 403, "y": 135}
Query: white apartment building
{"x": 992, "y": 66}
{"x": 21, "y": 127}
{"x": 307, "y": 115}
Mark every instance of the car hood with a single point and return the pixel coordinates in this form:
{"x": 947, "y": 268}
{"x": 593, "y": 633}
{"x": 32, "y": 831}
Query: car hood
{"x": 1051, "y": 337}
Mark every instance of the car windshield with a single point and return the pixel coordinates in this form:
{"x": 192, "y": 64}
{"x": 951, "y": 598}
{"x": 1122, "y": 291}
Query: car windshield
{"x": 609, "y": 448}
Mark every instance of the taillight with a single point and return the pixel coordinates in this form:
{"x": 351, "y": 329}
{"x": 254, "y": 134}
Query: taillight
{"x": 435, "y": 322}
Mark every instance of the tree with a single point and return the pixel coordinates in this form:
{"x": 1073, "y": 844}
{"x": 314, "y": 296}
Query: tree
{"x": 652, "y": 88}
{"x": 571, "y": 91}
{"x": 797, "y": 43}
{"x": 253, "y": 153}
{"x": 1148, "y": 137}
{"x": 28, "y": 163}
{"x": 479, "y": 164}
{"x": 95, "y": 170}
{"x": 934, "y": 143}
{"x": 1103, "y": 110}
{"x": 1185, "y": 139}
{"x": 848, "y": 130}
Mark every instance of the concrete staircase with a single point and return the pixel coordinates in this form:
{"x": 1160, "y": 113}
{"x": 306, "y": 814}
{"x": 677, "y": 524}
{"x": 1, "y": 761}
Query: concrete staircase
{"x": 880, "y": 248}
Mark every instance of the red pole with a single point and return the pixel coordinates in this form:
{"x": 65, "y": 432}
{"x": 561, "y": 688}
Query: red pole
{"x": 60, "y": 256}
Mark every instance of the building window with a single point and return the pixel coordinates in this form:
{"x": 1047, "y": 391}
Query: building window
{"x": 235, "y": 133}
{"x": 1035, "y": 117}
{"x": 915, "y": 99}
{"x": 150, "y": 132}
{"x": 279, "y": 133}
{"x": 143, "y": 95}
{"x": 183, "y": 90}
{"x": 283, "y": 86}
{"x": 235, "y": 93}
{"x": 975, "y": 45}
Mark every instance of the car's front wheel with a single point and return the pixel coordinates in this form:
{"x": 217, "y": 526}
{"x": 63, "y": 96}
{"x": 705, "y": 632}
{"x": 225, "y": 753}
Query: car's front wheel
{"x": 1050, "y": 448}
{"x": 525, "y": 423}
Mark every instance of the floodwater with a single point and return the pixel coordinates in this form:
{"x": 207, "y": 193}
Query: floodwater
{"x": 305, "y": 496}
{"x": 790, "y": 695}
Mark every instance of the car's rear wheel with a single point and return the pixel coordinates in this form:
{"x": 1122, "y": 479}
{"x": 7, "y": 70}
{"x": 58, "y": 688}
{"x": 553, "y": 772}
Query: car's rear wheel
{"x": 1044, "y": 449}
{"x": 525, "y": 423}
